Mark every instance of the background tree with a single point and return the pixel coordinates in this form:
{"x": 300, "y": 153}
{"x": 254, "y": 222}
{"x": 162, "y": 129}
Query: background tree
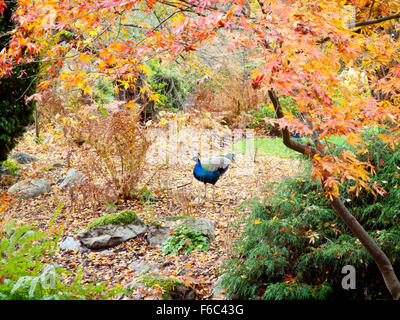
{"x": 15, "y": 114}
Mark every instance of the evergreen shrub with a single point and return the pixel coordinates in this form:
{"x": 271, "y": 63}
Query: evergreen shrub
{"x": 15, "y": 115}
{"x": 295, "y": 246}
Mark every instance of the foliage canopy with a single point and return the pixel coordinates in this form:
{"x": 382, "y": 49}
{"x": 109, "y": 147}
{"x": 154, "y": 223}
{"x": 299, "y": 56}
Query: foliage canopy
{"x": 315, "y": 52}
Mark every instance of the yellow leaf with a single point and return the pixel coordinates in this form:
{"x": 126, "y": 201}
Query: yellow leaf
{"x": 84, "y": 58}
{"x": 131, "y": 105}
{"x": 43, "y": 85}
{"x": 354, "y": 139}
{"x": 102, "y": 64}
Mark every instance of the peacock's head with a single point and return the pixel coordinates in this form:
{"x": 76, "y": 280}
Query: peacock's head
{"x": 196, "y": 157}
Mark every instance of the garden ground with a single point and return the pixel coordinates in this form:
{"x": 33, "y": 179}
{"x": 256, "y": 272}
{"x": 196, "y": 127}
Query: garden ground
{"x": 174, "y": 193}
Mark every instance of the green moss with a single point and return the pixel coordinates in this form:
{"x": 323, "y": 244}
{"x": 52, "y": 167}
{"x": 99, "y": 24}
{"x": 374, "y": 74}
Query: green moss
{"x": 123, "y": 217}
{"x": 167, "y": 284}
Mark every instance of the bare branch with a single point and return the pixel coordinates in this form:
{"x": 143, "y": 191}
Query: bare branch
{"x": 375, "y": 21}
{"x": 370, "y": 9}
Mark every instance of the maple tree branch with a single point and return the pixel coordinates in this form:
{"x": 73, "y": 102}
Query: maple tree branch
{"x": 375, "y": 21}
{"x": 370, "y": 9}
{"x": 305, "y": 149}
{"x": 6, "y": 34}
{"x": 314, "y": 135}
{"x": 131, "y": 25}
{"x": 262, "y": 6}
{"x": 188, "y": 7}
{"x": 166, "y": 19}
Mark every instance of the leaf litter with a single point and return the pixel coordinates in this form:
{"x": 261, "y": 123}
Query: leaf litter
{"x": 245, "y": 179}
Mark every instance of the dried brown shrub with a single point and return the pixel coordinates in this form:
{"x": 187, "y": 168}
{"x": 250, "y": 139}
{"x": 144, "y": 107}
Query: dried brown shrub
{"x": 50, "y": 104}
{"x": 184, "y": 199}
{"x": 232, "y": 101}
{"x": 55, "y": 102}
{"x": 114, "y": 154}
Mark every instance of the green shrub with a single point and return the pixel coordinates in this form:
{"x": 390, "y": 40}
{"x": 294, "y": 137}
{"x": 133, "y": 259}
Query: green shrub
{"x": 294, "y": 246}
{"x": 184, "y": 240}
{"x": 15, "y": 115}
{"x": 103, "y": 91}
{"x": 22, "y": 273}
{"x": 11, "y": 166}
{"x": 265, "y": 111}
{"x": 170, "y": 86}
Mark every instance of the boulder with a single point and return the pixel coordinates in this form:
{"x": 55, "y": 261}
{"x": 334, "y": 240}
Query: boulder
{"x": 158, "y": 234}
{"x": 106, "y": 236}
{"x": 29, "y": 188}
{"x": 142, "y": 267}
{"x": 218, "y": 290}
{"x": 23, "y": 157}
{"x": 204, "y": 226}
{"x": 71, "y": 244}
{"x": 173, "y": 288}
{"x": 4, "y": 170}
{"x": 73, "y": 177}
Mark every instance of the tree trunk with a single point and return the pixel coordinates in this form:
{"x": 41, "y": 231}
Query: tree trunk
{"x": 380, "y": 258}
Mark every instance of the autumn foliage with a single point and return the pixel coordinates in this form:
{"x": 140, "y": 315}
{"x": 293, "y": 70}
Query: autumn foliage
{"x": 299, "y": 49}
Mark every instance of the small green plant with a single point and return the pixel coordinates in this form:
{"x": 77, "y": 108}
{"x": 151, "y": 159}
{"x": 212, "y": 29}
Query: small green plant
{"x": 24, "y": 276}
{"x": 38, "y": 140}
{"x": 11, "y": 166}
{"x": 184, "y": 240}
{"x": 167, "y": 284}
{"x": 111, "y": 206}
{"x": 123, "y": 217}
{"x": 145, "y": 195}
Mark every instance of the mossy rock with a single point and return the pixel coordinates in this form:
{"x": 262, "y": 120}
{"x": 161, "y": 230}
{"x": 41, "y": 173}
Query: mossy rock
{"x": 173, "y": 289}
{"x": 112, "y": 229}
{"x": 121, "y": 218}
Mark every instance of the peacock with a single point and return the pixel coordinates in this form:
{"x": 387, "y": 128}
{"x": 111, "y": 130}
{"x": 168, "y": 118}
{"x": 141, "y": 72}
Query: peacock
{"x": 211, "y": 169}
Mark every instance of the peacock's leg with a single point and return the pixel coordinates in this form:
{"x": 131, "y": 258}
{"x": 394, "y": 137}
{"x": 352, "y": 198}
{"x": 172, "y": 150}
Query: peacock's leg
{"x": 213, "y": 193}
{"x": 205, "y": 191}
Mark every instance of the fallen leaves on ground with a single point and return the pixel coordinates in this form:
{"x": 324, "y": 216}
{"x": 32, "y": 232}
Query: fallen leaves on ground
{"x": 245, "y": 179}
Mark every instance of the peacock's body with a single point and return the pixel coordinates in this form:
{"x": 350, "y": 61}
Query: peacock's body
{"x": 211, "y": 169}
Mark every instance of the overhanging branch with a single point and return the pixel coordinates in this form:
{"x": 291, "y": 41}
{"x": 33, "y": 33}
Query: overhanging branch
{"x": 375, "y": 21}
{"x": 305, "y": 149}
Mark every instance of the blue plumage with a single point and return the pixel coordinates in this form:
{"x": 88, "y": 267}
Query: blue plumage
{"x": 211, "y": 169}
{"x": 206, "y": 176}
